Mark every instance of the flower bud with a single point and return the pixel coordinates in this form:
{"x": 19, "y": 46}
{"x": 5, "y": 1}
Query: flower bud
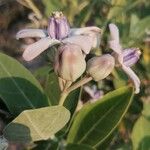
{"x": 58, "y": 27}
{"x": 131, "y": 56}
{"x": 69, "y": 62}
{"x": 100, "y": 67}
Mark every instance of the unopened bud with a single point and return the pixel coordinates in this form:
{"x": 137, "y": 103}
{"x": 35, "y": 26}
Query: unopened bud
{"x": 131, "y": 56}
{"x": 58, "y": 27}
{"x": 69, "y": 63}
{"x": 100, "y": 67}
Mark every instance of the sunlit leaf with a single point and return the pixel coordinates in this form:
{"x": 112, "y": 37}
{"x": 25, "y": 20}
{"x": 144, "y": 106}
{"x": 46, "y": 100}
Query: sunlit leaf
{"x": 37, "y": 124}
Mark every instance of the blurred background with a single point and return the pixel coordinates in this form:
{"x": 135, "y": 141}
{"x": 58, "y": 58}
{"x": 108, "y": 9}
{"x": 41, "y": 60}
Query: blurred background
{"x": 133, "y": 20}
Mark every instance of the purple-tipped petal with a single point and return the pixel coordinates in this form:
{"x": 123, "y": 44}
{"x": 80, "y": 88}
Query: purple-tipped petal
{"x": 114, "y": 39}
{"x": 31, "y": 33}
{"x": 133, "y": 77}
{"x": 85, "y": 42}
{"x": 93, "y": 92}
{"x": 130, "y": 56}
{"x": 38, "y": 47}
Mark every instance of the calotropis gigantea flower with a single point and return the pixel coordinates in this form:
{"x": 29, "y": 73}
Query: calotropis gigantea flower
{"x": 59, "y": 32}
{"x": 125, "y": 58}
{"x": 69, "y": 62}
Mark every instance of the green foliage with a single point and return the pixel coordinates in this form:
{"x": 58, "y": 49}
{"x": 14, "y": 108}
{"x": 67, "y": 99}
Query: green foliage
{"x": 79, "y": 147}
{"x": 95, "y": 122}
{"x": 37, "y": 124}
{"x": 19, "y": 90}
{"x": 52, "y": 88}
{"x": 141, "y": 130}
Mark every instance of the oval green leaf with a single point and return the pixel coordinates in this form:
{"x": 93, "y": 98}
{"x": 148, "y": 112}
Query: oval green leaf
{"x": 19, "y": 90}
{"x": 95, "y": 122}
{"x": 37, "y": 124}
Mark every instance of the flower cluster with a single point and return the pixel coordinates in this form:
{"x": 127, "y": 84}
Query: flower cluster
{"x": 74, "y": 45}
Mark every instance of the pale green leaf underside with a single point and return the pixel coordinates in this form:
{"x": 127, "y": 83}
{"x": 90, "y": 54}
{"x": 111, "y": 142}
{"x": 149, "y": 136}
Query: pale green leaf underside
{"x": 37, "y": 124}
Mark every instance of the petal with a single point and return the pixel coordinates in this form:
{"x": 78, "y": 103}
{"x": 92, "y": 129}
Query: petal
{"x": 31, "y": 33}
{"x": 114, "y": 32}
{"x": 85, "y": 42}
{"x": 133, "y": 77}
{"x": 89, "y": 91}
{"x": 38, "y": 47}
{"x": 114, "y": 39}
{"x": 131, "y": 56}
{"x": 93, "y": 31}
{"x": 85, "y": 30}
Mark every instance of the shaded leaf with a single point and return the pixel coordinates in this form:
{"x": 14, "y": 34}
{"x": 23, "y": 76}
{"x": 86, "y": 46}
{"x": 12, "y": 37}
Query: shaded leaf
{"x": 18, "y": 88}
{"x": 78, "y": 147}
{"x": 52, "y": 88}
{"x": 71, "y": 101}
{"x": 95, "y": 122}
{"x": 37, "y": 124}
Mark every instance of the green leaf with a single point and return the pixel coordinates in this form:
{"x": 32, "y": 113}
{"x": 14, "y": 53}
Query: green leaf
{"x": 95, "y": 122}
{"x": 72, "y": 99}
{"x": 146, "y": 109}
{"x": 133, "y": 22}
{"x": 141, "y": 134}
{"x": 139, "y": 28}
{"x": 52, "y": 88}
{"x": 78, "y": 147}
{"x": 18, "y": 88}
{"x": 37, "y": 124}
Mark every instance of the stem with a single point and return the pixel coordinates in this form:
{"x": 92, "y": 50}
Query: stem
{"x": 67, "y": 90}
{"x": 62, "y": 98}
{"x": 83, "y": 81}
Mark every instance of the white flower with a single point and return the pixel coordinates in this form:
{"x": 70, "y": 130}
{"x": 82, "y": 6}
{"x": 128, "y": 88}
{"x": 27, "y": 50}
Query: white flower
{"x": 59, "y": 32}
{"x": 126, "y": 58}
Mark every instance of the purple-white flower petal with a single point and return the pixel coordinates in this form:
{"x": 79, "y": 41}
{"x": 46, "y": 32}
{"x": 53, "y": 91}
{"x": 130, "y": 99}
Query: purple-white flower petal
{"x": 114, "y": 38}
{"x": 38, "y": 47}
{"x": 31, "y": 33}
{"x": 85, "y": 42}
{"x": 133, "y": 77}
{"x": 92, "y": 31}
{"x": 84, "y": 30}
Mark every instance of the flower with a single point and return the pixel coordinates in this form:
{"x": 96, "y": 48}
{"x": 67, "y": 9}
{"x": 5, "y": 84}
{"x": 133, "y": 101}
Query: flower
{"x": 100, "y": 67}
{"x": 69, "y": 62}
{"x": 59, "y": 32}
{"x": 94, "y": 93}
{"x": 125, "y": 58}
